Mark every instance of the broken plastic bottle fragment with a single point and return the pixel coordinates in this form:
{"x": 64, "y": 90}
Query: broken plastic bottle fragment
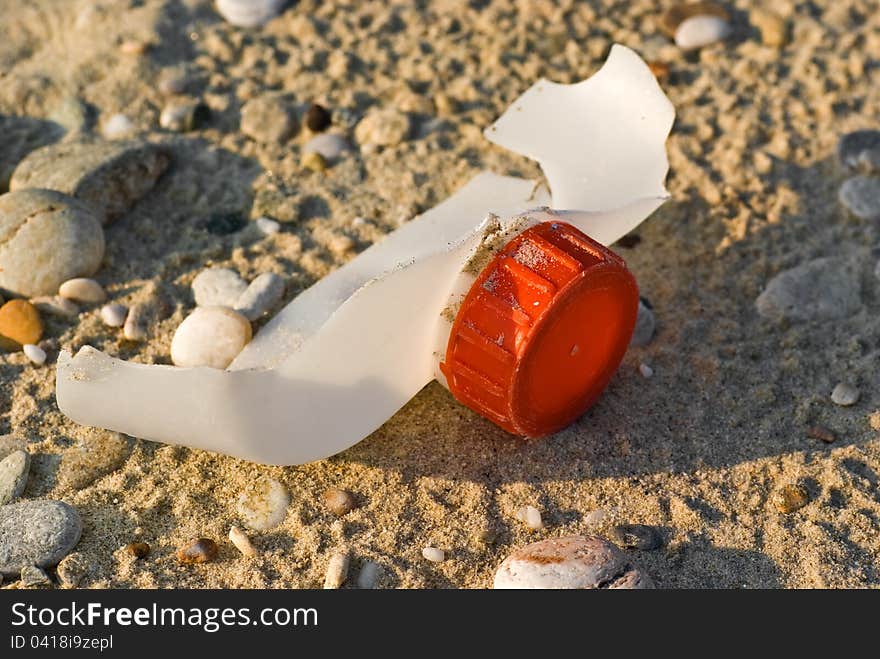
{"x": 492, "y": 299}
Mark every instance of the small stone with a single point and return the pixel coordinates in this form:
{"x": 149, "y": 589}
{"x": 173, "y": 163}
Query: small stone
{"x": 71, "y": 113}
{"x": 14, "y": 470}
{"x": 267, "y": 227}
{"x": 531, "y": 517}
{"x": 184, "y": 115}
{"x": 261, "y": 296}
{"x": 263, "y": 505}
{"x": 243, "y": 543}
{"x": 35, "y": 353}
{"x": 218, "y": 287}
{"x": 699, "y": 31}
{"x": 55, "y": 305}
{"x": 33, "y": 577}
{"x": 268, "y": 119}
{"x": 433, "y": 554}
{"x": 117, "y": 127}
{"x": 249, "y": 13}
{"x": 46, "y": 238}
{"x": 673, "y": 17}
{"x": 369, "y": 575}
{"x": 173, "y": 81}
{"x": 646, "y": 370}
{"x": 860, "y": 150}
{"x": 19, "y": 324}
{"x": 383, "y": 127}
{"x": 337, "y": 570}
{"x": 72, "y": 569}
{"x": 314, "y": 162}
{"x": 108, "y": 176}
{"x": 202, "y": 550}
{"x": 790, "y": 498}
{"x": 137, "y": 323}
{"x": 339, "y": 502}
{"x": 861, "y": 196}
{"x": 646, "y": 324}
{"x": 637, "y": 536}
{"x": 845, "y": 395}
{"x": 37, "y": 533}
{"x": 821, "y": 289}
{"x": 83, "y": 290}
{"x": 573, "y": 562}
{"x": 210, "y": 336}
{"x": 137, "y": 549}
{"x": 134, "y": 47}
{"x": 329, "y": 145}
{"x": 317, "y": 118}
{"x": 93, "y": 457}
{"x": 114, "y": 314}
{"x": 774, "y": 31}
{"x": 821, "y": 433}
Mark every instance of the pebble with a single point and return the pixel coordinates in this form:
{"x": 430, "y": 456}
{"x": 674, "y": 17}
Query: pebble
{"x": 773, "y": 28}
{"x": 646, "y": 370}
{"x": 337, "y": 570}
{"x": 318, "y": 119}
{"x": 210, "y": 336}
{"x": 137, "y": 549}
{"x": 243, "y": 543}
{"x": 14, "y": 470}
{"x": 56, "y": 306}
{"x": 329, "y": 145}
{"x": 37, "y": 533}
{"x": 790, "y": 498}
{"x": 201, "y": 550}
{"x": 82, "y": 289}
{"x": 117, "y": 127}
{"x": 645, "y": 326}
{"x": 382, "y": 127}
{"x": 94, "y": 456}
{"x": 821, "y": 433}
{"x": 314, "y": 162}
{"x": 114, "y": 314}
{"x": 570, "y": 562}
{"x": 369, "y": 575}
{"x": 249, "y": 13}
{"x": 72, "y": 114}
{"x": 861, "y": 196}
{"x": 20, "y": 324}
{"x": 137, "y": 322}
{"x": 174, "y": 81}
{"x": 72, "y": 569}
{"x": 678, "y": 13}
{"x": 339, "y": 502}
{"x": 263, "y": 505}
{"x": 108, "y": 176}
{"x": 821, "y": 289}
{"x": 531, "y": 517}
{"x": 637, "y": 536}
{"x": 433, "y": 554}
{"x": 845, "y": 395}
{"x": 860, "y": 150}
{"x": 48, "y": 238}
{"x": 699, "y": 31}
{"x": 35, "y": 353}
{"x": 134, "y": 47}
{"x": 33, "y": 577}
{"x": 261, "y": 296}
{"x": 267, "y": 226}
{"x": 268, "y": 119}
{"x": 184, "y": 115}
{"x": 218, "y": 287}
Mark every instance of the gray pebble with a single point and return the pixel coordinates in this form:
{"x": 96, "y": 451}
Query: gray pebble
{"x": 369, "y": 575}
{"x": 72, "y": 114}
{"x": 821, "y": 289}
{"x": 184, "y": 115}
{"x": 845, "y": 395}
{"x": 329, "y": 145}
{"x": 46, "y": 238}
{"x": 637, "y": 536}
{"x": 646, "y": 324}
{"x": 268, "y": 119}
{"x": 573, "y": 562}
{"x": 33, "y": 577}
{"x": 73, "y": 568}
{"x": 218, "y": 287}
{"x": 137, "y": 322}
{"x": 860, "y": 150}
{"x": 37, "y": 533}
{"x": 13, "y": 475}
{"x": 263, "y": 293}
{"x": 861, "y": 196}
{"x": 109, "y": 176}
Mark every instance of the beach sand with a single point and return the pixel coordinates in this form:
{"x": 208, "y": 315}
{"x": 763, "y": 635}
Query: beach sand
{"x": 698, "y": 450}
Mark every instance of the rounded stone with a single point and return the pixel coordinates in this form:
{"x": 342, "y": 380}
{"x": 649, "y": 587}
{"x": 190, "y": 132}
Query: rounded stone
{"x": 317, "y": 118}
{"x": 861, "y": 197}
{"x": 699, "y": 31}
{"x": 210, "y": 336}
{"x": 645, "y": 327}
{"x": 790, "y": 498}
{"x": 73, "y": 569}
{"x": 34, "y": 353}
{"x": 820, "y": 289}
{"x": 37, "y": 533}
{"x": 117, "y": 127}
{"x": 680, "y": 12}
{"x": 314, "y": 162}
{"x": 860, "y": 150}
{"x": 260, "y": 296}
{"x": 14, "y": 470}
{"x": 137, "y": 549}
{"x": 20, "y": 324}
{"x": 268, "y": 119}
{"x": 329, "y": 145}
{"x": 339, "y": 502}
{"x": 383, "y": 127}
{"x": 433, "y": 554}
{"x": 82, "y": 289}
{"x": 845, "y": 395}
{"x": 263, "y": 505}
{"x": 201, "y": 550}
{"x": 249, "y": 13}
{"x": 637, "y": 536}
{"x": 183, "y": 115}
{"x": 572, "y": 562}
{"x": 218, "y": 287}
{"x": 114, "y": 314}
{"x": 46, "y": 238}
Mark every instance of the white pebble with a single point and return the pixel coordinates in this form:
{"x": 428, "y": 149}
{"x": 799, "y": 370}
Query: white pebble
{"x": 369, "y": 575}
{"x": 433, "y": 554}
{"x": 267, "y": 226}
{"x": 117, "y": 126}
{"x": 845, "y": 394}
{"x": 331, "y": 146}
{"x": 263, "y": 505}
{"x": 645, "y": 370}
{"x": 210, "y": 336}
{"x": 114, "y": 314}
{"x": 263, "y": 293}
{"x": 531, "y": 517}
{"x": 698, "y": 31}
{"x": 337, "y": 570}
{"x": 136, "y": 327}
{"x": 82, "y": 289}
{"x": 217, "y": 287}
{"x": 35, "y": 353}
{"x": 243, "y": 543}
{"x": 249, "y": 13}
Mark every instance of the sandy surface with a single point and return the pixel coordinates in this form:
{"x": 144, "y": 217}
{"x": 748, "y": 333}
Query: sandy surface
{"x": 697, "y": 450}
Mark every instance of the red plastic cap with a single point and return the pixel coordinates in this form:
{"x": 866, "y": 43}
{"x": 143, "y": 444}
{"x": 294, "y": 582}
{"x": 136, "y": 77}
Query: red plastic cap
{"x": 542, "y": 330}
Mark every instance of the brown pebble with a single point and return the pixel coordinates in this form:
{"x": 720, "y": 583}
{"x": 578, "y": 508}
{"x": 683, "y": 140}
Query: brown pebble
{"x": 19, "y": 324}
{"x": 678, "y": 14}
{"x": 138, "y": 549}
{"x": 790, "y": 498}
{"x": 317, "y": 118}
{"x": 821, "y": 433}
{"x": 134, "y": 47}
{"x": 660, "y": 70}
{"x": 202, "y": 550}
{"x": 339, "y": 502}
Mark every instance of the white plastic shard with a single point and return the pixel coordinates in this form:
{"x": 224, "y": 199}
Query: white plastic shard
{"x": 350, "y": 351}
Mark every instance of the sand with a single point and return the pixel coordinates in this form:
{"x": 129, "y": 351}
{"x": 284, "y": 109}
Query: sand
{"x": 697, "y": 450}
